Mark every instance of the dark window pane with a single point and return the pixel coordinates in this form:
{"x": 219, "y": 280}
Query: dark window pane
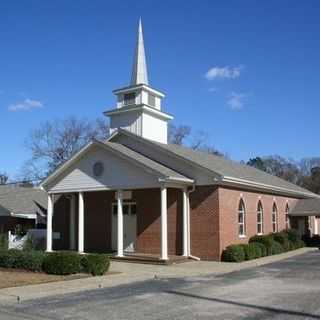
{"x": 126, "y": 209}
{"x": 129, "y": 98}
{"x": 133, "y": 209}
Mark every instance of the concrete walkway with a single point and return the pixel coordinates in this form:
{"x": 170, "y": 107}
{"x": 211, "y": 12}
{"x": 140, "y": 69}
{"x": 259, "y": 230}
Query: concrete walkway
{"x": 131, "y": 272}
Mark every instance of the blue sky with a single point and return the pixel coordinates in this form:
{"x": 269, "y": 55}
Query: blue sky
{"x": 246, "y": 72}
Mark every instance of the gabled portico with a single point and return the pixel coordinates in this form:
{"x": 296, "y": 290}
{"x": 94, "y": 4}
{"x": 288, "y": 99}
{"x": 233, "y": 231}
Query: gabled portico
{"x": 115, "y": 171}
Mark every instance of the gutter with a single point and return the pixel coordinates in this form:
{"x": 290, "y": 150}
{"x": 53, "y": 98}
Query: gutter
{"x": 267, "y": 187}
{"x": 188, "y": 224}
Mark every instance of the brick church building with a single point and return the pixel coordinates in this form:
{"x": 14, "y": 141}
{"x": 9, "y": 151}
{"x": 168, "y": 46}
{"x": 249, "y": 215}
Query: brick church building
{"x": 137, "y": 194}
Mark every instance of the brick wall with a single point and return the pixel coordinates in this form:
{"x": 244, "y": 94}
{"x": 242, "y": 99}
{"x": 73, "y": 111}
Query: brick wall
{"x": 213, "y": 218}
{"x": 148, "y": 221}
{"x": 204, "y": 221}
{"x": 228, "y": 211}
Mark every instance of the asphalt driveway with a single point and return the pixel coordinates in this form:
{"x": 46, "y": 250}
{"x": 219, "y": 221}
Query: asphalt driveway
{"x": 289, "y": 289}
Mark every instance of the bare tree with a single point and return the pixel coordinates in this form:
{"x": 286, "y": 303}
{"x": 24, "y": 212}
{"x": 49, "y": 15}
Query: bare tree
{"x": 178, "y": 134}
{"x": 182, "y": 135}
{"x": 56, "y": 141}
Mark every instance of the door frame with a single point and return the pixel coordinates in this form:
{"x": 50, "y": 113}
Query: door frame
{"x": 114, "y": 230}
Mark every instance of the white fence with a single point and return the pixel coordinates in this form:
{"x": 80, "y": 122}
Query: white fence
{"x": 38, "y": 235}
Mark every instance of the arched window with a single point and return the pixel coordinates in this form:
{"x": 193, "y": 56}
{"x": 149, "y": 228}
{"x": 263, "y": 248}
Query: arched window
{"x": 260, "y": 218}
{"x": 242, "y": 219}
{"x": 287, "y": 217}
{"x": 274, "y": 218}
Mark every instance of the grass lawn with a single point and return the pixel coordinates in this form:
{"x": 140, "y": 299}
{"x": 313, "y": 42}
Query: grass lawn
{"x": 15, "y": 278}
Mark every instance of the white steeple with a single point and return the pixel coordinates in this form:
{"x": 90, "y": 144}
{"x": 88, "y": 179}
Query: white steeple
{"x": 139, "y": 70}
{"x": 139, "y": 107}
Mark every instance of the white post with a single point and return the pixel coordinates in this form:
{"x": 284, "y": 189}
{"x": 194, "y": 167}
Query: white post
{"x": 184, "y": 223}
{"x": 72, "y": 222}
{"x": 315, "y": 225}
{"x": 49, "y": 222}
{"x": 164, "y": 225}
{"x": 188, "y": 225}
{"x": 119, "y": 195}
{"x": 81, "y": 224}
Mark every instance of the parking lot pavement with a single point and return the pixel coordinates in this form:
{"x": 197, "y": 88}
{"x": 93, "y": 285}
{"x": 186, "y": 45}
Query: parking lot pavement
{"x": 288, "y": 289}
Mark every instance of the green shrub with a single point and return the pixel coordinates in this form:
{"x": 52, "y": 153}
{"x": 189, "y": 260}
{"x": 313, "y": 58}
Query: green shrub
{"x": 297, "y": 244}
{"x": 259, "y": 249}
{"x": 29, "y": 244}
{"x": 61, "y": 263}
{"x": 96, "y": 264}
{"x": 250, "y": 251}
{"x": 3, "y": 241}
{"x": 234, "y": 253}
{"x": 300, "y": 244}
{"x": 6, "y": 259}
{"x": 28, "y": 260}
{"x": 32, "y": 260}
{"x": 282, "y": 238}
{"x": 293, "y": 235}
{"x": 261, "y": 246}
{"x": 276, "y": 248}
{"x": 266, "y": 240}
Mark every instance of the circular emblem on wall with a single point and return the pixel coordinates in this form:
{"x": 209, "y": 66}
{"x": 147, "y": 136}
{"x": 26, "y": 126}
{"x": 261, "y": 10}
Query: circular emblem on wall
{"x": 98, "y": 169}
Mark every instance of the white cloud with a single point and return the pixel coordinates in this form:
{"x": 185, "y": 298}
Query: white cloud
{"x": 227, "y": 72}
{"x": 235, "y": 101}
{"x": 25, "y": 105}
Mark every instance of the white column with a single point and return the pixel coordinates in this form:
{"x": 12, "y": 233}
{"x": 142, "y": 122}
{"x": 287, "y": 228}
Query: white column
{"x": 184, "y": 223}
{"x": 188, "y": 225}
{"x": 164, "y": 225}
{"x": 119, "y": 195}
{"x": 81, "y": 224}
{"x": 72, "y": 222}
{"x": 315, "y": 225}
{"x": 49, "y": 222}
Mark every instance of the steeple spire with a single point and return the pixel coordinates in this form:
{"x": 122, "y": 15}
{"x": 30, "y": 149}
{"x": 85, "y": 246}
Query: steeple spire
{"x": 139, "y": 71}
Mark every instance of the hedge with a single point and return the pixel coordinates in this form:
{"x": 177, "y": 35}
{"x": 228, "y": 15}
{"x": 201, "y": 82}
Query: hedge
{"x": 3, "y": 241}
{"x": 62, "y": 263}
{"x": 262, "y": 248}
{"x": 282, "y": 238}
{"x": 234, "y": 253}
{"x": 251, "y": 251}
{"x": 17, "y": 259}
{"x": 266, "y": 240}
{"x": 276, "y": 248}
{"x": 96, "y": 264}
{"x": 263, "y": 245}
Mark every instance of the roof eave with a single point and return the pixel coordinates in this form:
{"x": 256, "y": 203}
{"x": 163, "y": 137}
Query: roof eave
{"x": 269, "y": 188}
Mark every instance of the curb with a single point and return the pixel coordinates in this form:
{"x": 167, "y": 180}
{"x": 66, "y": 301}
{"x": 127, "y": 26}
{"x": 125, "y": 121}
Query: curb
{"x": 9, "y": 296}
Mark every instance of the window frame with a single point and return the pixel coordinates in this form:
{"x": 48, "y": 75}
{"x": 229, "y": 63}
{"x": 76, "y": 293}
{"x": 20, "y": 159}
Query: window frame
{"x": 274, "y": 218}
{"x": 286, "y": 215}
{"x": 261, "y": 222}
{"x": 242, "y": 211}
{"x": 129, "y": 204}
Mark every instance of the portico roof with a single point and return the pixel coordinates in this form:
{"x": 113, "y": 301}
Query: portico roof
{"x": 306, "y": 207}
{"x": 163, "y": 173}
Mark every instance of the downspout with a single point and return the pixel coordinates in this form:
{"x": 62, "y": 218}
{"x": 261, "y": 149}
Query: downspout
{"x": 188, "y": 224}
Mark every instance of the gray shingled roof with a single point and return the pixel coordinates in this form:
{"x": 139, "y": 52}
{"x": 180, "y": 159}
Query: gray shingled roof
{"x": 225, "y": 167}
{"x": 21, "y": 200}
{"x": 229, "y": 168}
{"x": 153, "y": 165}
{"x": 306, "y": 207}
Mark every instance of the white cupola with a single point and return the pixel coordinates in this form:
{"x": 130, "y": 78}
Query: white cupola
{"x": 138, "y": 105}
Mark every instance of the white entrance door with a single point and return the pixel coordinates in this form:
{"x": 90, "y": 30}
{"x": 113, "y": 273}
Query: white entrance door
{"x": 129, "y": 226}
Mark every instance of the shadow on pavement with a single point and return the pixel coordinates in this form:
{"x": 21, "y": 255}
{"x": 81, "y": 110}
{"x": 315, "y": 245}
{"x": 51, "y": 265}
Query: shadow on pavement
{"x": 246, "y": 305}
